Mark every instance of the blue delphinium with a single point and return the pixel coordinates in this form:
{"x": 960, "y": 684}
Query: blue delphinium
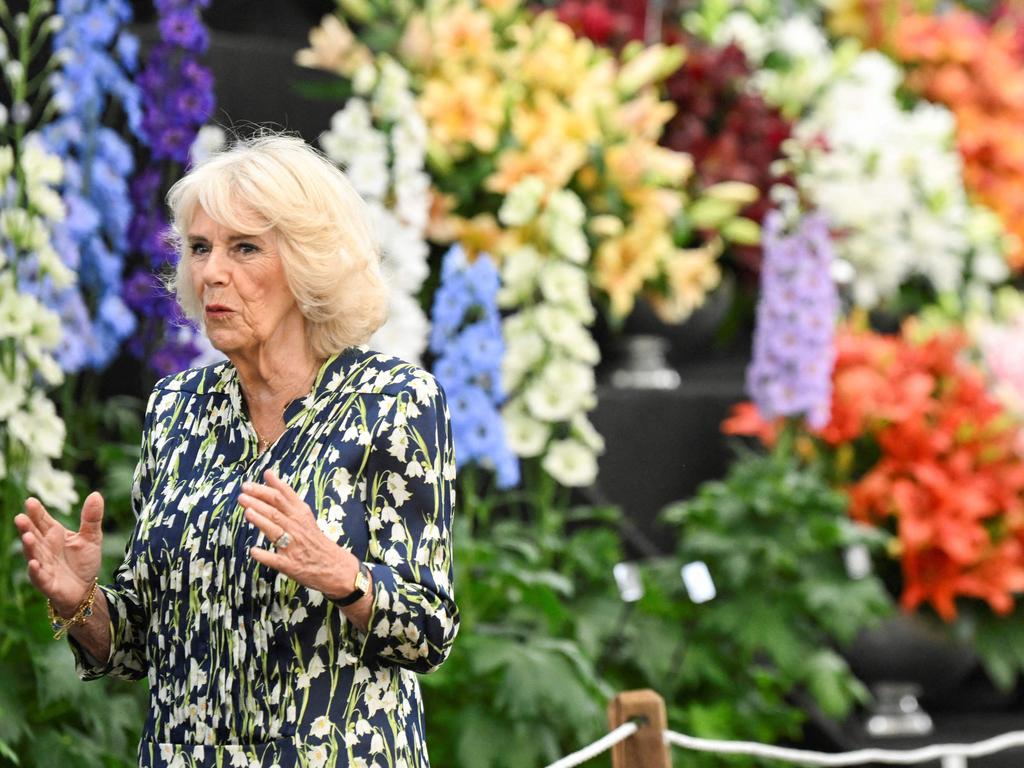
{"x": 99, "y": 56}
{"x": 794, "y": 352}
{"x": 177, "y": 99}
{"x": 468, "y": 347}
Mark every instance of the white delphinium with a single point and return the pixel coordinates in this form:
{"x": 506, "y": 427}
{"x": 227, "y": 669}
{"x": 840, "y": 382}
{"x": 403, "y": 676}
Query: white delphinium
{"x": 381, "y": 141}
{"x": 31, "y": 429}
{"x": 548, "y": 368}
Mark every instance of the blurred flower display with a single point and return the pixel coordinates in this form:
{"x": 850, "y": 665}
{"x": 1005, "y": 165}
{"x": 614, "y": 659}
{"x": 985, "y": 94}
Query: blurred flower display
{"x": 921, "y": 445}
{"x": 791, "y": 371}
{"x": 888, "y": 177}
{"x": 728, "y": 129}
{"x": 100, "y": 56}
{"x": 537, "y": 174}
{"x": 31, "y": 431}
{"x": 380, "y": 140}
{"x": 467, "y": 344}
{"x": 177, "y": 99}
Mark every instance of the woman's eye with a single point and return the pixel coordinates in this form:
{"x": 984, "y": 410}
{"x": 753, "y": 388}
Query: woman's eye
{"x": 199, "y": 249}
{"x": 247, "y": 249}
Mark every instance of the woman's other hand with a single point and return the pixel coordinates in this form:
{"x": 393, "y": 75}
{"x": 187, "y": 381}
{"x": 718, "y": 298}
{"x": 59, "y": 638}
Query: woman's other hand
{"x": 310, "y": 557}
{"x": 62, "y": 564}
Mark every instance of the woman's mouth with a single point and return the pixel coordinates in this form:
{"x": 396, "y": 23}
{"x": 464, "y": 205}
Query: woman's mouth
{"x": 218, "y": 310}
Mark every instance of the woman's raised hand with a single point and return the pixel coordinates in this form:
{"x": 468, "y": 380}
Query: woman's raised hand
{"x": 61, "y": 563}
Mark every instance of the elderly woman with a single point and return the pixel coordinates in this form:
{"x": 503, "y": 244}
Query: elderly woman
{"x": 290, "y": 569}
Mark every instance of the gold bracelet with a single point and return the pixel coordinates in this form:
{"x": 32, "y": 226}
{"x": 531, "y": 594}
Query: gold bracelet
{"x": 61, "y": 626}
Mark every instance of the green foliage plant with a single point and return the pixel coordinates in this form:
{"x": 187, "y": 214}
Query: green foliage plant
{"x": 752, "y": 662}
{"x": 48, "y": 717}
{"x": 520, "y": 688}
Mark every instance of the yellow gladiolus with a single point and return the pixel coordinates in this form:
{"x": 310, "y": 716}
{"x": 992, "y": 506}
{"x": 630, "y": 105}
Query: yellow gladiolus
{"x": 469, "y": 111}
{"x": 333, "y": 47}
{"x": 623, "y": 264}
{"x": 645, "y": 115}
{"x": 691, "y": 274}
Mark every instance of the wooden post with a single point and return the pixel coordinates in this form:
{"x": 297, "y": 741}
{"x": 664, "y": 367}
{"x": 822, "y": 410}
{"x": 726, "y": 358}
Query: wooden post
{"x": 646, "y": 748}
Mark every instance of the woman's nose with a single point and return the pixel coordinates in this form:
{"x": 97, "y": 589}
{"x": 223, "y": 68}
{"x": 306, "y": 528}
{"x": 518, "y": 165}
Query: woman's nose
{"x": 216, "y": 267}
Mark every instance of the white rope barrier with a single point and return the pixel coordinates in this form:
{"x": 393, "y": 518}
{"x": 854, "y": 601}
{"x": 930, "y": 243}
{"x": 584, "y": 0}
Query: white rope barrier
{"x": 857, "y": 757}
{"x": 603, "y": 744}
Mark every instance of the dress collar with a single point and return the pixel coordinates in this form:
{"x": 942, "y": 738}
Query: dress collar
{"x": 332, "y": 369}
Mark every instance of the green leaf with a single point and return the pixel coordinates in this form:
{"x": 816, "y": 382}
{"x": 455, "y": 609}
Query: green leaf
{"x": 828, "y": 682}
{"x": 482, "y": 739}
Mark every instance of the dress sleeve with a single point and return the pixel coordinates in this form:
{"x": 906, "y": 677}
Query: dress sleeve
{"x": 128, "y": 618}
{"x": 410, "y": 491}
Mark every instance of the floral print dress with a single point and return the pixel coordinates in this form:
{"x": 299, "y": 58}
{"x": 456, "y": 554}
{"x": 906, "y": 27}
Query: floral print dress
{"x": 246, "y": 667}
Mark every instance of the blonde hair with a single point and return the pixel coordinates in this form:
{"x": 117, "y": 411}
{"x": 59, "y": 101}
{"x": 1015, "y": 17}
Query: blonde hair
{"x": 331, "y": 259}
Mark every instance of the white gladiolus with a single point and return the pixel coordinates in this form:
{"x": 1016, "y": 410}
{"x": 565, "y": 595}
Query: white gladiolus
{"x": 404, "y": 334}
{"x": 566, "y": 207}
{"x": 55, "y": 488}
{"x": 519, "y": 271}
{"x": 584, "y": 431}
{"x": 571, "y": 463}
{"x": 12, "y": 395}
{"x": 526, "y": 437}
{"x": 39, "y": 166}
{"x": 521, "y": 356}
{"x": 549, "y": 354}
{"x": 749, "y": 35}
{"x": 561, "y": 328}
{"x": 567, "y": 285}
{"x": 51, "y": 264}
{"x": 388, "y": 170}
{"x": 38, "y": 427}
{"x": 364, "y": 79}
{"x": 546, "y": 401}
{"x": 522, "y": 202}
{"x": 570, "y": 242}
{"x": 46, "y": 201}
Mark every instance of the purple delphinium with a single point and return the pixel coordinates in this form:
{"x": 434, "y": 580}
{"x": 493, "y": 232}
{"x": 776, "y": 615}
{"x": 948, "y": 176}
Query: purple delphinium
{"x": 92, "y": 239}
{"x": 791, "y": 370}
{"x": 177, "y": 99}
{"x": 467, "y": 344}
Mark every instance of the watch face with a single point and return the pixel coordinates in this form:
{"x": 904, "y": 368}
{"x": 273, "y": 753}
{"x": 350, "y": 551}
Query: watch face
{"x": 362, "y": 581}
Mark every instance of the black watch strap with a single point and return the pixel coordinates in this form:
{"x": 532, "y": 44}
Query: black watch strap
{"x": 362, "y": 581}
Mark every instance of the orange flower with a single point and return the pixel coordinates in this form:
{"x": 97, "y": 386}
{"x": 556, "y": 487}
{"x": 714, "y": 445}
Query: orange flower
{"x": 937, "y": 461}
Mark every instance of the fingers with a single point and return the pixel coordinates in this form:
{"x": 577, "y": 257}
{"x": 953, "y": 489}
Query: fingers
{"x": 282, "y": 487}
{"x": 267, "y": 558}
{"x": 279, "y": 495}
{"x": 268, "y": 511}
{"x": 268, "y": 497}
{"x": 35, "y": 548}
{"x": 37, "y": 512}
{"x": 40, "y": 576}
{"x": 271, "y": 530}
{"x": 33, "y": 544}
{"x": 25, "y": 525}
{"x": 92, "y": 517}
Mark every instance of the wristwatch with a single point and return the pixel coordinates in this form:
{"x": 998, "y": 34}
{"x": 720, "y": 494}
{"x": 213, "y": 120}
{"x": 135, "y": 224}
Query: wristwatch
{"x": 362, "y": 586}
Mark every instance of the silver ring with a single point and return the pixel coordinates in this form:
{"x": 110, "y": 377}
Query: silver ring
{"x": 282, "y": 541}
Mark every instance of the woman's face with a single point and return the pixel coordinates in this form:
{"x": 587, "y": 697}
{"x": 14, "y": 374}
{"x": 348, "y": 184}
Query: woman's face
{"x": 240, "y": 282}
